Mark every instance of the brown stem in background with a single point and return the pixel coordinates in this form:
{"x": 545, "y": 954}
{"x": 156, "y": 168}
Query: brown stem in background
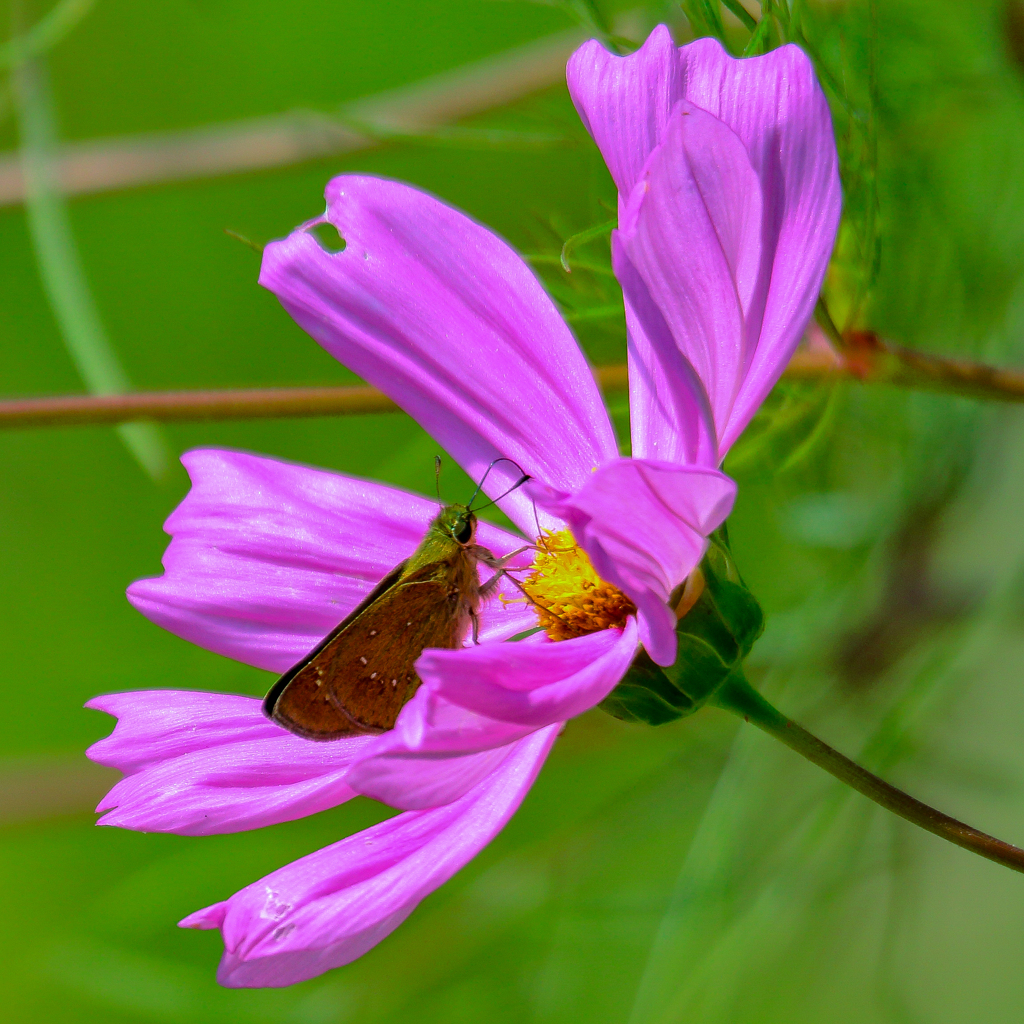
{"x": 865, "y": 358}
{"x": 169, "y": 406}
{"x": 868, "y": 358}
{"x": 281, "y": 140}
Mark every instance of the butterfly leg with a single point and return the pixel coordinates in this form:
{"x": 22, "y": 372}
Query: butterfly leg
{"x": 490, "y": 587}
{"x": 530, "y": 599}
{"x": 487, "y": 590}
{"x": 492, "y": 561}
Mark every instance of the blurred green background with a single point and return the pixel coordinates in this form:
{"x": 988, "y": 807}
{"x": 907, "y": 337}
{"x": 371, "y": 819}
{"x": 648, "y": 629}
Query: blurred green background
{"x": 695, "y": 872}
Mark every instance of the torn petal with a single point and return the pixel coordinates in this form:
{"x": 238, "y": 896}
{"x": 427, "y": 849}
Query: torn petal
{"x": 329, "y": 908}
{"x": 445, "y": 318}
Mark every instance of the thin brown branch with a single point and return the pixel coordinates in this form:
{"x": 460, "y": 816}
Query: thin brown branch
{"x": 866, "y": 359}
{"x": 169, "y": 406}
{"x": 290, "y": 138}
{"x": 235, "y": 404}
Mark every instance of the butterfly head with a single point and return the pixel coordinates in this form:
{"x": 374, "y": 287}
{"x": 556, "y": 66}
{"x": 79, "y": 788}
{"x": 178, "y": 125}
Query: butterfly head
{"x": 457, "y": 522}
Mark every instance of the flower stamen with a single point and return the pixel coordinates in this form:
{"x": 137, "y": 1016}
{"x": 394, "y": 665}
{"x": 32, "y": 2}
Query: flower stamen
{"x": 570, "y": 598}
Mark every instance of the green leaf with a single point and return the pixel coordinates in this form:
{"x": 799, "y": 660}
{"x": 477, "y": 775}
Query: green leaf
{"x": 741, "y": 13}
{"x": 760, "y": 41}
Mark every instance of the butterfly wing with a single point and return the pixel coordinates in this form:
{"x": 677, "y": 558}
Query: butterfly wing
{"x": 359, "y": 677}
{"x": 297, "y": 700}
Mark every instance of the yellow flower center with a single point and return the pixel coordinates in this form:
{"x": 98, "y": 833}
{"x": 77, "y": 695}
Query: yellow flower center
{"x": 570, "y": 598}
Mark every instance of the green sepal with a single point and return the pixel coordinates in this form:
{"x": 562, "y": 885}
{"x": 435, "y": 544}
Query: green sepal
{"x": 645, "y": 695}
{"x": 715, "y": 636}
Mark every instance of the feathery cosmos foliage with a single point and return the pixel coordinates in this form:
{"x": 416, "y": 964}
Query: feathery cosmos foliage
{"x": 729, "y": 202}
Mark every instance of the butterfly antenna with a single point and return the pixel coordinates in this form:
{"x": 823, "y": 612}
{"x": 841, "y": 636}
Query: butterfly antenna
{"x": 541, "y": 539}
{"x": 437, "y": 478}
{"x": 519, "y": 483}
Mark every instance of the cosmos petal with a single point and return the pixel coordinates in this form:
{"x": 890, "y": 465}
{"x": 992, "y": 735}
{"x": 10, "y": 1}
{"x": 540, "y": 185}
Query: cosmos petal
{"x": 670, "y": 417}
{"x": 624, "y": 102}
{"x": 445, "y": 318}
{"x": 436, "y": 753}
{"x": 532, "y": 684}
{"x": 644, "y": 525}
{"x": 691, "y": 231}
{"x": 267, "y": 557}
{"x": 154, "y": 726}
{"x": 775, "y": 107}
{"x": 206, "y": 763}
{"x": 332, "y": 906}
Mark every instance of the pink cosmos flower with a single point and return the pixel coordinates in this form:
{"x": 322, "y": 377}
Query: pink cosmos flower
{"x": 267, "y": 557}
{"x": 729, "y": 202}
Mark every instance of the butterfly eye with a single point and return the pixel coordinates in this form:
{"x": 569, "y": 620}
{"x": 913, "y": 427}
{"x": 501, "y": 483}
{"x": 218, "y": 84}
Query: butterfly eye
{"x": 463, "y": 531}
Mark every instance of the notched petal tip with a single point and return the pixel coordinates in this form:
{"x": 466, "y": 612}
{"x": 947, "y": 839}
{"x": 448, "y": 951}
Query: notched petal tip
{"x": 624, "y": 100}
{"x": 104, "y": 702}
{"x": 207, "y": 918}
{"x": 330, "y": 907}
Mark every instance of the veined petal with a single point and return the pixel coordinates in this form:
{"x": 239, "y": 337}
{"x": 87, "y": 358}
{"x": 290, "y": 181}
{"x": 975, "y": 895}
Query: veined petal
{"x": 670, "y": 415}
{"x": 437, "y": 752}
{"x": 329, "y": 908}
{"x": 154, "y": 726}
{"x": 644, "y": 525}
{"x": 777, "y": 108}
{"x": 444, "y": 317}
{"x": 625, "y": 102}
{"x": 207, "y": 763}
{"x": 689, "y": 253}
{"x": 267, "y": 557}
{"x": 532, "y": 684}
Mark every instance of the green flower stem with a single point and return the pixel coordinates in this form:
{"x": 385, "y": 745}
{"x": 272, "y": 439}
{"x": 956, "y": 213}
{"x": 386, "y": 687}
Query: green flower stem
{"x": 739, "y": 697}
